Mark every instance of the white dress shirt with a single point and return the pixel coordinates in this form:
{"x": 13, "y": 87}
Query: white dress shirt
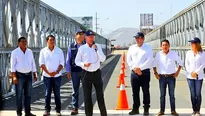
{"x": 195, "y": 64}
{"x": 140, "y": 57}
{"x": 22, "y": 62}
{"x": 52, "y": 60}
{"x": 88, "y": 54}
{"x": 166, "y": 63}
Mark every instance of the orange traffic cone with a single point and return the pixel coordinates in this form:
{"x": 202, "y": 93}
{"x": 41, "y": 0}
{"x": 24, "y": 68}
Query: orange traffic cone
{"x": 122, "y": 71}
{"x": 121, "y": 80}
{"x": 122, "y": 103}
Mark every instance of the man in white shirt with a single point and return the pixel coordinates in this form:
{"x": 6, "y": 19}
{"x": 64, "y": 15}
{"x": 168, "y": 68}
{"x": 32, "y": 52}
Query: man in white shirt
{"x": 139, "y": 59}
{"x": 88, "y": 58}
{"x": 165, "y": 71}
{"x": 22, "y": 68}
{"x": 51, "y": 60}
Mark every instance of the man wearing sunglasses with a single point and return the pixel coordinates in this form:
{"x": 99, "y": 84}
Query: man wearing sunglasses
{"x": 139, "y": 59}
{"x": 22, "y": 68}
{"x": 74, "y": 71}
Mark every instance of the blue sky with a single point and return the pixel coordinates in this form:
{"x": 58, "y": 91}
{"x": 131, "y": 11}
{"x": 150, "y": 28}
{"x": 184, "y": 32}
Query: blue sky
{"x": 114, "y": 14}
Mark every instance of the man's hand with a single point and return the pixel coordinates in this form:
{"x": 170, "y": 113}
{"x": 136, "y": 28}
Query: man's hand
{"x": 194, "y": 75}
{"x": 53, "y": 74}
{"x": 176, "y": 74}
{"x": 87, "y": 65}
{"x": 95, "y": 47}
{"x": 35, "y": 77}
{"x": 138, "y": 71}
{"x": 157, "y": 76}
{"x": 15, "y": 80}
{"x": 69, "y": 76}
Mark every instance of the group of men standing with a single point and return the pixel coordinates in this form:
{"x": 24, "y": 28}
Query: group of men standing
{"x": 81, "y": 64}
{"x": 140, "y": 61}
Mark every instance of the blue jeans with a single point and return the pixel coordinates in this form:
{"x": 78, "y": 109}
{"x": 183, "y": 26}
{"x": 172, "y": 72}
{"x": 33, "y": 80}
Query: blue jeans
{"x": 195, "y": 90}
{"x": 52, "y": 83}
{"x": 24, "y": 85}
{"x": 76, "y": 76}
{"x": 163, "y": 82}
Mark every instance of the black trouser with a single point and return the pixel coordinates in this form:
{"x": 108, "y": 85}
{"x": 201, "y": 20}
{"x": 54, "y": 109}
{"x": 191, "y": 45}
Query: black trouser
{"x": 89, "y": 79}
{"x": 137, "y": 82}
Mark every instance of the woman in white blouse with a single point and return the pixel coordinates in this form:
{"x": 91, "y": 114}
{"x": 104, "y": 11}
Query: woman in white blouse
{"x": 195, "y": 64}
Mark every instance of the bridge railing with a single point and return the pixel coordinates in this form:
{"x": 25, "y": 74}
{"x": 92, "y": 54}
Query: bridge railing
{"x": 181, "y": 28}
{"x": 34, "y": 20}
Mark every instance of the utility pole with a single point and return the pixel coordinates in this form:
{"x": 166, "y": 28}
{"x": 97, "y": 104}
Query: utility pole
{"x": 96, "y": 19}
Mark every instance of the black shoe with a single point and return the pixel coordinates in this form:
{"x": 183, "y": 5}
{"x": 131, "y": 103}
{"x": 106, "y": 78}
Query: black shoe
{"x": 74, "y": 111}
{"x": 58, "y": 114}
{"x": 146, "y": 111}
{"x": 46, "y": 113}
{"x": 134, "y": 112}
{"x": 29, "y": 114}
{"x": 160, "y": 113}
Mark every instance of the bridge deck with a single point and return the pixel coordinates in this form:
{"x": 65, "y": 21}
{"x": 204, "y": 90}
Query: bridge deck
{"x": 110, "y": 72}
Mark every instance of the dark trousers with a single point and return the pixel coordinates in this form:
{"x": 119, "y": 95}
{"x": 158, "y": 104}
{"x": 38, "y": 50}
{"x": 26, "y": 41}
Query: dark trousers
{"x": 137, "y": 82}
{"x": 24, "y": 85}
{"x": 76, "y": 77}
{"x": 52, "y": 83}
{"x": 89, "y": 79}
{"x": 195, "y": 90}
{"x": 163, "y": 82}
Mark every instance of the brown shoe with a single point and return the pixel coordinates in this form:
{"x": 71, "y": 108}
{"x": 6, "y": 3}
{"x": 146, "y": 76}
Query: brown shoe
{"x": 74, "y": 111}
{"x": 174, "y": 113}
{"x": 160, "y": 113}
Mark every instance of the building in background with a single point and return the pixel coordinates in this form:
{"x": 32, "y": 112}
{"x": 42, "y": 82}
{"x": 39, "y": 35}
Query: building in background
{"x": 87, "y": 21}
{"x": 146, "y": 22}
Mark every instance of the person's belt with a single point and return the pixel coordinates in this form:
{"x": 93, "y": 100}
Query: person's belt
{"x": 90, "y": 71}
{"x": 167, "y": 75}
{"x": 29, "y": 73}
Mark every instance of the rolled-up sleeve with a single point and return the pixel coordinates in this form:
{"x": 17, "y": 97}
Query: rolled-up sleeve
{"x": 13, "y": 62}
{"x": 100, "y": 53}
{"x": 41, "y": 58}
{"x": 78, "y": 58}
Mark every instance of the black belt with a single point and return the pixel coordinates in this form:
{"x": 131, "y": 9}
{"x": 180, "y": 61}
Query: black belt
{"x": 29, "y": 73}
{"x": 167, "y": 75}
{"x": 91, "y": 72}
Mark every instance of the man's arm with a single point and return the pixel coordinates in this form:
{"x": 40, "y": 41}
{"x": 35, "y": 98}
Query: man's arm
{"x": 42, "y": 62}
{"x": 13, "y": 68}
{"x": 149, "y": 59}
{"x": 180, "y": 63}
{"x": 34, "y": 67}
{"x": 155, "y": 64}
{"x": 100, "y": 53}
{"x": 129, "y": 59}
{"x": 78, "y": 58}
{"x": 62, "y": 62}
{"x": 68, "y": 69}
